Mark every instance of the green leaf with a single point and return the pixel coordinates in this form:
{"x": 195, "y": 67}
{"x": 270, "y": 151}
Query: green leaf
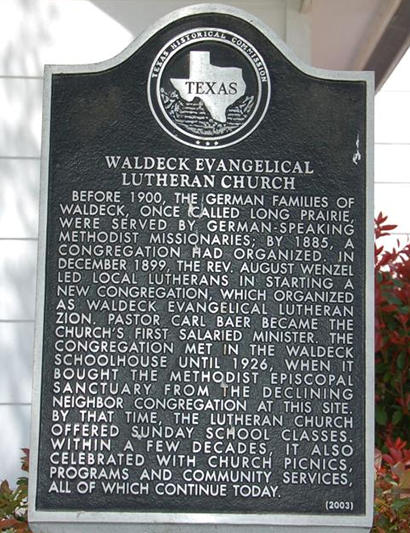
{"x": 392, "y": 299}
{"x": 381, "y": 415}
{"x": 398, "y": 415}
{"x": 401, "y": 360}
{"x": 397, "y": 282}
{"x": 400, "y": 505}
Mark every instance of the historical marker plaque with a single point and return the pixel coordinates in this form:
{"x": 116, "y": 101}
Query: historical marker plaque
{"x": 204, "y": 312}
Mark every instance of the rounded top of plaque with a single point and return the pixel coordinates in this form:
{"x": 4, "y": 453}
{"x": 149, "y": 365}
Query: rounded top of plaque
{"x": 210, "y": 76}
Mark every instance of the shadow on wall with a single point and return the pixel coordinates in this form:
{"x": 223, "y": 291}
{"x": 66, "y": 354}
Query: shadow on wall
{"x": 16, "y": 347}
{"x": 130, "y": 14}
{"x": 15, "y": 425}
{"x": 27, "y": 31}
{"x": 24, "y": 29}
{"x": 19, "y": 198}
{"x": 137, "y": 16}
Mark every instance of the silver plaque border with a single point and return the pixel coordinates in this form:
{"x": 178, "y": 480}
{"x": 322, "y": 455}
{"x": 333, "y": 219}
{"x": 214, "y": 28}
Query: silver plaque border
{"x": 53, "y": 521}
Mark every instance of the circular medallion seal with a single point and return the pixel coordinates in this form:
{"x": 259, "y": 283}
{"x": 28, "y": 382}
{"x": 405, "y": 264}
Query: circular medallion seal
{"x": 208, "y": 88}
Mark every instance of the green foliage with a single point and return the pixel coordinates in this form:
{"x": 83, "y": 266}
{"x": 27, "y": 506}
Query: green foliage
{"x": 392, "y": 367}
{"x": 392, "y": 489}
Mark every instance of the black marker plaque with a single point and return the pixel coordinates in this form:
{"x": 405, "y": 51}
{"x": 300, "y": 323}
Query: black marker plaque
{"x": 202, "y": 328}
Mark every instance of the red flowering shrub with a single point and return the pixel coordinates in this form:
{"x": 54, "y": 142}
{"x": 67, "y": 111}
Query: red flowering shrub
{"x": 392, "y": 302}
{"x": 13, "y": 503}
{"x": 397, "y": 453}
{"x": 392, "y": 489}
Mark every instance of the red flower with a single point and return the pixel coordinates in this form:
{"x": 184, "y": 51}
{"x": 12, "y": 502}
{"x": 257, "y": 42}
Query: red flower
{"x": 397, "y": 452}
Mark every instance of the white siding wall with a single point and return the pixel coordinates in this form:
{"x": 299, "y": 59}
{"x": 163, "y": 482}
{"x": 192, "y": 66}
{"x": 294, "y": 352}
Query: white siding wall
{"x": 392, "y": 151}
{"x": 33, "y": 33}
